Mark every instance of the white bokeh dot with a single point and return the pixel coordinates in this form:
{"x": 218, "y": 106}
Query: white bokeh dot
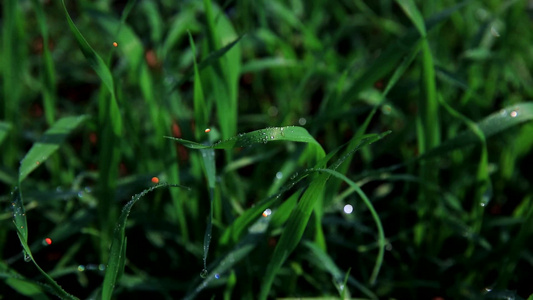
{"x": 348, "y": 209}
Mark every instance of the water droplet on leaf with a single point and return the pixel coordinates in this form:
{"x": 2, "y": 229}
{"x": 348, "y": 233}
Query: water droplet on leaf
{"x": 203, "y": 274}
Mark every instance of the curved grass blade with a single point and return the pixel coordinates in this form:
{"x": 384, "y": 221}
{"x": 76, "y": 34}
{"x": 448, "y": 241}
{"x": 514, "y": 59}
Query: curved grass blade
{"x": 235, "y": 230}
{"x": 48, "y": 144}
{"x": 489, "y": 126}
{"x": 262, "y": 136}
{"x": 95, "y": 61}
{"x": 299, "y": 218}
{"x": 19, "y": 219}
{"x": 381, "y": 234}
{"x": 324, "y": 260}
{"x": 240, "y": 251}
{"x": 115, "y": 265}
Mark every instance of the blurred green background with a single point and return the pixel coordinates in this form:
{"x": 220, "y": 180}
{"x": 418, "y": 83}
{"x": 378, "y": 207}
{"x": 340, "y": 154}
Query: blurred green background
{"x": 451, "y": 183}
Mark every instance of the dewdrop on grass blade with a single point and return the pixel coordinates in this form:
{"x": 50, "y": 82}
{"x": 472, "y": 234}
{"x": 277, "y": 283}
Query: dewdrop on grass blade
{"x": 115, "y": 44}
{"x": 47, "y": 241}
{"x": 207, "y": 130}
{"x": 155, "y": 179}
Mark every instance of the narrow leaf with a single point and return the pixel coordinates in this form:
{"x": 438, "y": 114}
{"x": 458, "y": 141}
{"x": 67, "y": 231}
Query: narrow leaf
{"x": 117, "y": 251}
{"x": 48, "y": 144}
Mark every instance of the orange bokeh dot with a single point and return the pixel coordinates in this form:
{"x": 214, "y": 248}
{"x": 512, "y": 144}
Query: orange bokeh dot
{"x": 207, "y": 130}
{"x": 48, "y": 241}
{"x": 115, "y": 44}
{"x": 155, "y": 180}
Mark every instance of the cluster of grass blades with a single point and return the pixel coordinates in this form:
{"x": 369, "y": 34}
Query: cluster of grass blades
{"x": 383, "y": 149}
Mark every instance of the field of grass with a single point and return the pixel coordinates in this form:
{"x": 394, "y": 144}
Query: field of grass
{"x": 266, "y": 149}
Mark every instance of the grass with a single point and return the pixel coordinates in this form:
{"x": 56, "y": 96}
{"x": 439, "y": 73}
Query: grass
{"x": 241, "y": 130}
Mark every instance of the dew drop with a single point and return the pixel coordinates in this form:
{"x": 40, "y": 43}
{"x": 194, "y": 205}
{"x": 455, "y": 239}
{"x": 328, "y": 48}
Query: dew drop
{"x": 81, "y": 268}
{"x": 27, "y": 258}
{"x": 80, "y": 194}
{"x": 279, "y": 175}
{"x": 271, "y": 137}
{"x": 513, "y": 114}
{"x": 101, "y": 267}
{"x": 267, "y": 212}
{"x": 47, "y": 241}
{"x": 217, "y": 276}
{"x": 348, "y": 209}
{"x": 302, "y": 121}
{"x": 203, "y": 274}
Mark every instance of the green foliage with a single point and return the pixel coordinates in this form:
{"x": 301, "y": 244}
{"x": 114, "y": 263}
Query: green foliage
{"x": 330, "y": 149}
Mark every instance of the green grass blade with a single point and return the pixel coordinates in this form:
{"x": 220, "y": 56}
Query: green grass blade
{"x": 491, "y": 125}
{"x": 115, "y": 264}
{"x": 110, "y": 136}
{"x": 19, "y": 219}
{"x": 208, "y": 158}
{"x": 410, "y": 9}
{"x": 24, "y": 286}
{"x": 375, "y": 216}
{"x": 391, "y": 56}
{"x": 236, "y": 254}
{"x": 94, "y": 60}
{"x": 325, "y": 261}
{"x": 262, "y": 136}
{"x": 201, "y": 113}
{"x": 19, "y": 214}
{"x": 299, "y": 218}
{"x": 212, "y": 58}
{"x": 4, "y": 130}
{"x": 48, "y": 144}
{"x": 48, "y": 71}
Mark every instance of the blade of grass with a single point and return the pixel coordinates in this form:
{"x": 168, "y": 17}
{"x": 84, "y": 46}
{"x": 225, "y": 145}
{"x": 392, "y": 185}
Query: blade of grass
{"x": 115, "y": 265}
{"x": 427, "y": 120}
{"x": 262, "y": 136}
{"x": 21, "y": 225}
{"x": 298, "y": 222}
{"x": 390, "y": 57}
{"x": 111, "y": 131}
{"x": 48, "y": 144}
{"x": 375, "y": 216}
{"x": 13, "y": 54}
{"x": 483, "y": 182}
{"x": 4, "y": 130}
{"x": 325, "y": 261}
{"x": 201, "y": 113}
{"x": 48, "y": 71}
{"x": 208, "y": 158}
{"x": 211, "y": 59}
{"x": 491, "y": 125}
{"x": 224, "y": 72}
